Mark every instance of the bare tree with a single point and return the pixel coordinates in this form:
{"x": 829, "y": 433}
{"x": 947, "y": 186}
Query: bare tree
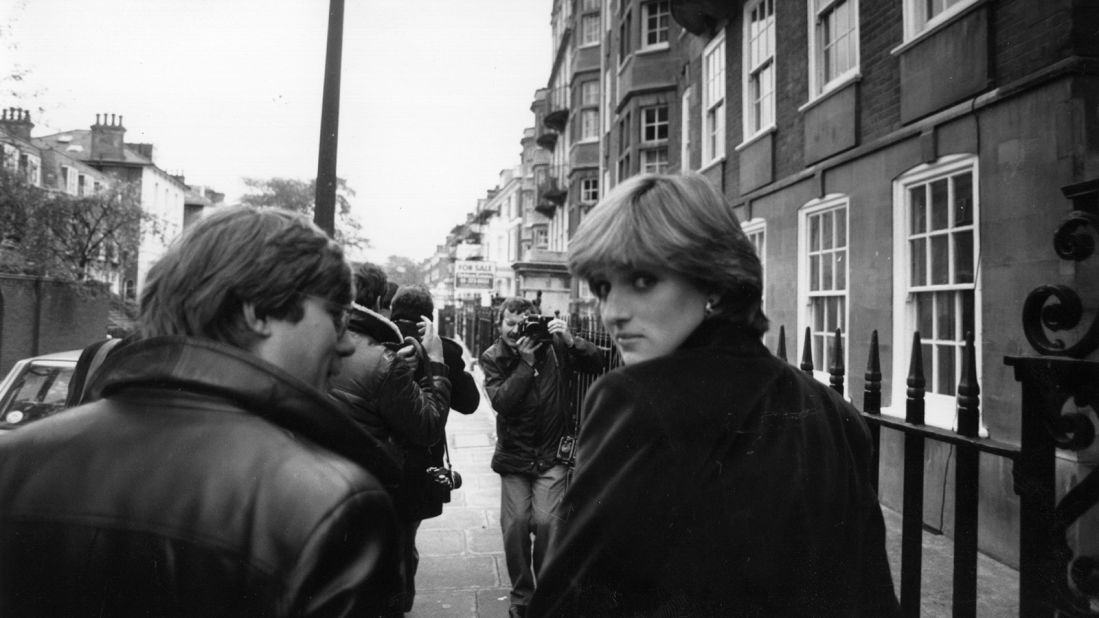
{"x": 299, "y": 196}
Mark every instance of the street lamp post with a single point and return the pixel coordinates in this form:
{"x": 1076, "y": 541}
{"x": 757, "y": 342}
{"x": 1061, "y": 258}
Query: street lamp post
{"x": 324, "y": 214}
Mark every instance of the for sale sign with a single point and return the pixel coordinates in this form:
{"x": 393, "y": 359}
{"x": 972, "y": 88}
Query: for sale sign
{"x": 473, "y": 275}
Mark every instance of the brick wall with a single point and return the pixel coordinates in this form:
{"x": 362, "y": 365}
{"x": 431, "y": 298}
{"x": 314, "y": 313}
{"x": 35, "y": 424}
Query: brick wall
{"x": 1029, "y": 36}
{"x": 880, "y": 30}
{"x": 69, "y": 316}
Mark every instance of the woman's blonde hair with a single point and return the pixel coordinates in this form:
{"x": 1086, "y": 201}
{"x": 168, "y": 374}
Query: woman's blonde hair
{"x": 681, "y": 223}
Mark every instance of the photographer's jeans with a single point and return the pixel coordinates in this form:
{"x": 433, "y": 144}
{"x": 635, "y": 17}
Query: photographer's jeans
{"x": 528, "y": 505}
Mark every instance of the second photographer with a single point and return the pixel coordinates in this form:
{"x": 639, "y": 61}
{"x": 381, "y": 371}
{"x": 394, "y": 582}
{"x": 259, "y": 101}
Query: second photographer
{"x": 527, "y": 372}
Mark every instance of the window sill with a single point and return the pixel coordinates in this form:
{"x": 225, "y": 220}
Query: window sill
{"x": 934, "y": 416}
{"x": 830, "y": 90}
{"x": 625, "y": 62}
{"x": 711, "y": 164}
{"x": 943, "y": 22}
{"x": 756, "y": 137}
{"x": 652, "y": 49}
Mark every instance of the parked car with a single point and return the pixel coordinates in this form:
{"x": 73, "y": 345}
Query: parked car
{"x": 35, "y": 388}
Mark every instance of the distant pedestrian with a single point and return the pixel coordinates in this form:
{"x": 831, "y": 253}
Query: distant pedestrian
{"x": 526, "y": 376}
{"x": 712, "y": 478}
{"x": 210, "y": 475}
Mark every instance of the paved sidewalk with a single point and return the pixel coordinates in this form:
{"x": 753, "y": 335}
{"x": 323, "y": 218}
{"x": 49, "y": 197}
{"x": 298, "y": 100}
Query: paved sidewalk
{"x": 462, "y": 571}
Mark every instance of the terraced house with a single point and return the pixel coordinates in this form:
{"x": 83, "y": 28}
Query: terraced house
{"x": 902, "y": 166}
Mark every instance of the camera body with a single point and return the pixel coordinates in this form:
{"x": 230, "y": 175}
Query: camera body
{"x": 536, "y": 327}
{"x": 441, "y": 481}
{"x": 566, "y": 451}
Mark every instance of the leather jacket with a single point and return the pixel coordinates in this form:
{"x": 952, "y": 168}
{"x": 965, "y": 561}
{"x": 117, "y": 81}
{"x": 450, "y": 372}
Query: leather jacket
{"x": 205, "y": 481}
{"x": 533, "y": 409}
{"x": 389, "y": 404}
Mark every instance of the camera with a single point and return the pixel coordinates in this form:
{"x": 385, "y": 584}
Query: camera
{"x": 408, "y": 328}
{"x": 441, "y": 481}
{"x": 566, "y": 451}
{"x": 536, "y": 327}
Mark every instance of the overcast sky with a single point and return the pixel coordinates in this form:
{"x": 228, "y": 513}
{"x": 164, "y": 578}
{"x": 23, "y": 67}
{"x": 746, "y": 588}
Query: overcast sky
{"x": 435, "y": 93}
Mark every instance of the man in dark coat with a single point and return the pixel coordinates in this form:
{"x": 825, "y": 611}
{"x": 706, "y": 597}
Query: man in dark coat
{"x": 526, "y": 378}
{"x": 210, "y": 475}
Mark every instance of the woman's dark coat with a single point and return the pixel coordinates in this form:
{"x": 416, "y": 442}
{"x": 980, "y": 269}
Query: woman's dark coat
{"x": 718, "y": 481}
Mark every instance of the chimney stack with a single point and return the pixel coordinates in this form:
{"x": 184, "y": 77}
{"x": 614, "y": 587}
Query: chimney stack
{"x": 16, "y": 122}
{"x": 108, "y": 137}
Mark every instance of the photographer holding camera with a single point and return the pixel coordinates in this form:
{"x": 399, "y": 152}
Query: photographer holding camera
{"x": 403, "y": 404}
{"x": 526, "y": 377}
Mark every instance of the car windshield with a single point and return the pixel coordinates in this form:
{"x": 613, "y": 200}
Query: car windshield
{"x": 39, "y": 392}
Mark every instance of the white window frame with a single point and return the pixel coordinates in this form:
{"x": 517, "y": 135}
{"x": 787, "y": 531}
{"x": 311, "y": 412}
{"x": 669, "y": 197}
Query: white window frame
{"x": 756, "y": 231}
{"x": 940, "y": 410}
{"x": 917, "y": 22}
{"x": 756, "y": 68}
{"x": 589, "y": 125}
{"x": 589, "y": 190}
{"x": 714, "y": 109}
{"x": 648, "y": 16}
{"x": 589, "y": 30}
{"x": 822, "y": 354}
{"x": 652, "y": 162}
{"x": 10, "y": 157}
{"x": 625, "y": 38}
{"x": 819, "y": 13}
{"x": 651, "y": 120}
{"x": 685, "y": 130}
{"x": 69, "y": 176}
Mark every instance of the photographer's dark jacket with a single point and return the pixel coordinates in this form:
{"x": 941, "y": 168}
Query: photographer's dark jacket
{"x": 392, "y": 406}
{"x": 204, "y": 482}
{"x": 718, "y": 480}
{"x": 532, "y": 409}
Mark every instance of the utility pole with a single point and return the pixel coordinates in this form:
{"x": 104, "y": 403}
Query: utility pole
{"x": 324, "y": 214}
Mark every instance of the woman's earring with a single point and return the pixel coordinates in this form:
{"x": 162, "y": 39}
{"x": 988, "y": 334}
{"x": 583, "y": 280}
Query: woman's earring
{"x": 709, "y": 310}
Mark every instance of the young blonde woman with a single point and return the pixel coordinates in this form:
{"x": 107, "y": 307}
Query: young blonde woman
{"x": 712, "y": 479}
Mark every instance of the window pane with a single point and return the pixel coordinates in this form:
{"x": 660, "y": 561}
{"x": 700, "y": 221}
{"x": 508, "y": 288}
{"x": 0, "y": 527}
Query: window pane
{"x": 924, "y": 315}
{"x": 919, "y": 261}
{"x": 814, "y": 233}
{"x": 818, "y": 352}
{"x": 963, "y": 199}
{"x": 833, "y": 313}
{"x": 918, "y": 197}
{"x": 841, "y": 227}
{"x": 939, "y": 207}
{"x": 946, "y": 374}
{"x": 818, "y": 314}
{"x": 944, "y": 310}
{"x": 927, "y": 351}
{"x": 826, "y": 229}
{"x": 940, "y": 259}
{"x": 968, "y": 325}
{"x": 963, "y": 257}
{"x": 841, "y": 313}
{"x": 814, "y": 272}
{"x": 841, "y": 270}
{"x": 826, "y": 273}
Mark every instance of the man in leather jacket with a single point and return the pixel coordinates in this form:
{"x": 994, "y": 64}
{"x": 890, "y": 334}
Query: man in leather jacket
{"x": 210, "y": 475}
{"x": 526, "y": 378}
{"x": 403, "y": 404}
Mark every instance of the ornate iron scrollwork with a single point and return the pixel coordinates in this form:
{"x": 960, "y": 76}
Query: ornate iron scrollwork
{"x": 1072, "y": 581}
{"x": 1071, "y": 242}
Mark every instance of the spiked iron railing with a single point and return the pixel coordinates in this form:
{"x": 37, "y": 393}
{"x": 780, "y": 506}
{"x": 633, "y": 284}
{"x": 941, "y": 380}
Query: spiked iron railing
{"x": 916, "y": 434}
